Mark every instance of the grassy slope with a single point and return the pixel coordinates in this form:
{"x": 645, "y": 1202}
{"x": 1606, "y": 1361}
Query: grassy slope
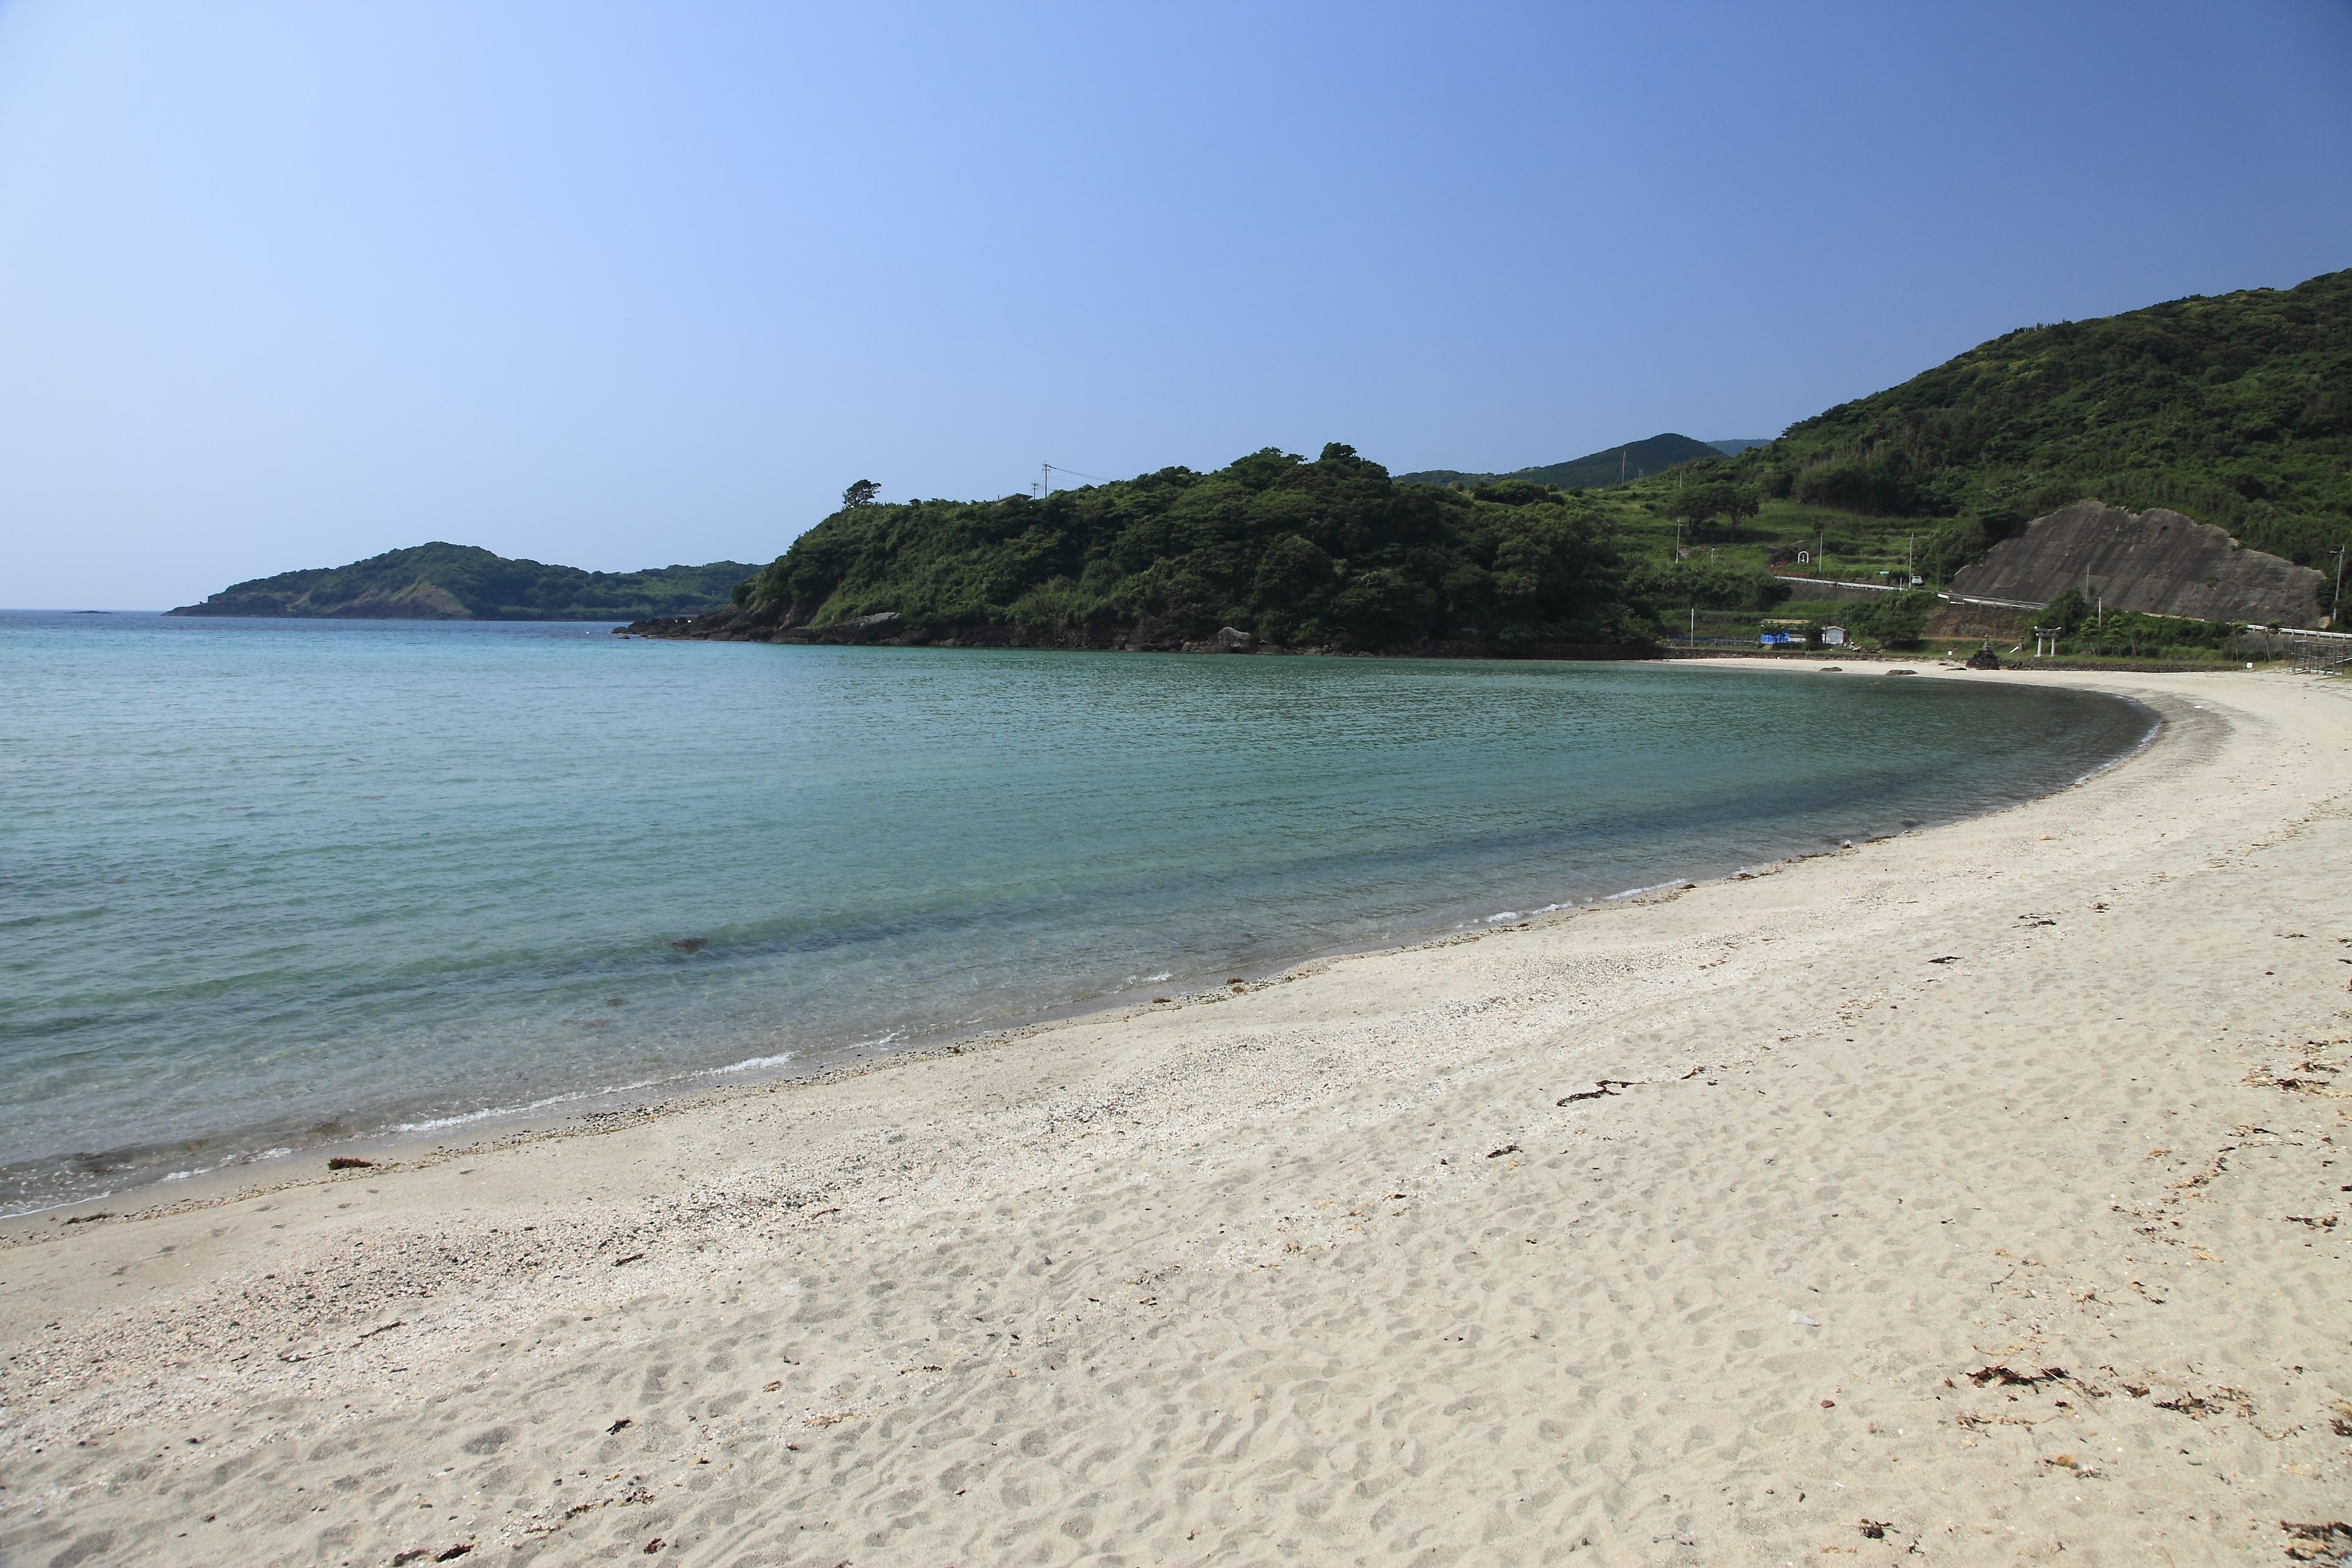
{"x": 459, "y": 582}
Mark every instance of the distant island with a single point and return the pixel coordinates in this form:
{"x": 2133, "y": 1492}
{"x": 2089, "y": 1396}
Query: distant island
{"x": 1618, "y": 465}
{"x": 462, "y": 582}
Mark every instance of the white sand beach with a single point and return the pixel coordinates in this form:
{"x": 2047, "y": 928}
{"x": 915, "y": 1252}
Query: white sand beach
{"x": 1975, "y": 1195}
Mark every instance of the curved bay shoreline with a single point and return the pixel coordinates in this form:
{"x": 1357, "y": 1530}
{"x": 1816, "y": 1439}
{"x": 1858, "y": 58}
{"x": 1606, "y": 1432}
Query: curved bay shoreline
{"x": 1255, "y": 843}
{"x": 1471, "y": 1250}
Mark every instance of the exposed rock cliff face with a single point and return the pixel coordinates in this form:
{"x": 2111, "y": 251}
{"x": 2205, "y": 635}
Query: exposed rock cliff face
{"x": 2157, "y": 562}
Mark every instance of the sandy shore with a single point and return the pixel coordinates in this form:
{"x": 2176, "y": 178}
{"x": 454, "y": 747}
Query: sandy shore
{"x": 1972, "y": 1195}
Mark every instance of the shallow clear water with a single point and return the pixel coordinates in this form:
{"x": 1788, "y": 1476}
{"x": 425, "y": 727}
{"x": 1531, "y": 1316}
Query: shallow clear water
{"x": 268, "y": 884}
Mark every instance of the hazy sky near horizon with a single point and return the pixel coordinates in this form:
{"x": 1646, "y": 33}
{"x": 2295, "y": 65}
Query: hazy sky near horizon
{"x": 285, "y": 284}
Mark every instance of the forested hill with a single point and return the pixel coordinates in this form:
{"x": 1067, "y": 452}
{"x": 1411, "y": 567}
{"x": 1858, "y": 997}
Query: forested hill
{"x": 1329, "y": 553}
{"x": 459, "y": 582}
{"x": 2236, "y": 409}
{"x": 1593, "y": 471}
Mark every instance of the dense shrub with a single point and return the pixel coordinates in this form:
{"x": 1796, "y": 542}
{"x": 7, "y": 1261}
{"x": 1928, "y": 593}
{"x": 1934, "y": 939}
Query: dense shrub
{"x": 2128, "y": 632}
{"x": 1330, "y": 552}
{"x": 1706, "y": 586}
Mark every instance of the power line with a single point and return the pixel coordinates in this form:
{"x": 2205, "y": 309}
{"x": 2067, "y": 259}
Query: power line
{"x": 1046, "y": 472}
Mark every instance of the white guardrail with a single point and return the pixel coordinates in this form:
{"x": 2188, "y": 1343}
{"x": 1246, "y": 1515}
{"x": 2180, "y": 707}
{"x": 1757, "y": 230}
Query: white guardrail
{"x": 2013, "y": 604}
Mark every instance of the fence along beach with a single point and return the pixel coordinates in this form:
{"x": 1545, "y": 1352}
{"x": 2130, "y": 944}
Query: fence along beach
{"x": 1973, "y": 1190}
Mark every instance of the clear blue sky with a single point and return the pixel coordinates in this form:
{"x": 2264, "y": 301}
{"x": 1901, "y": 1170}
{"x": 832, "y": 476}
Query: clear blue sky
{"x": 290, "y": 284}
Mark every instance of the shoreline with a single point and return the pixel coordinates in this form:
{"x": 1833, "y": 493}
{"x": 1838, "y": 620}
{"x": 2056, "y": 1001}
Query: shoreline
{"x": 732, "y": 624}
{"x": 402, "y": 1148}
{"x": 1682, "y": 1225}
{"x": 572, "y": 1110}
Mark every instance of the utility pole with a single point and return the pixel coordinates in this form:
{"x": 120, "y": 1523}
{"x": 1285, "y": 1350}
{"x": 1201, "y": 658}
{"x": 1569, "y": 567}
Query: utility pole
{"x": 2335, "y": 610}
{"x": 1620, "y": 463}
{"x": 1045, "y": 478}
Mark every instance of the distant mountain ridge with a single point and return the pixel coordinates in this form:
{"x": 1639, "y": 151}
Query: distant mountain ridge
{"x": 1634, "y": 460}
{"x": 439, "y": 582}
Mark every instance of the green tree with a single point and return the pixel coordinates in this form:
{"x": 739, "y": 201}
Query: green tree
{"x": 1893, "y": 620}
{"x": 1511, "y": 492}
{"x": 2069, "y": 609}
{"x": 1718, "y": 498}
{"x": 1703, "y": 585}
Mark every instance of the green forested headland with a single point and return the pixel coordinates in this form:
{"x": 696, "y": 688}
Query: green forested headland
{"x": 1634, "y": 460}
{"x": 459, "y": 582}
{"x": 1330, "y": 552}
{"x": 2235, "y": 409}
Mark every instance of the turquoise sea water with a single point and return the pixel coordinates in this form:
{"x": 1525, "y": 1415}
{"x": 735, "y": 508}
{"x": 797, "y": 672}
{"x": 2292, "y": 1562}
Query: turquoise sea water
{"x": 269, "y": 885}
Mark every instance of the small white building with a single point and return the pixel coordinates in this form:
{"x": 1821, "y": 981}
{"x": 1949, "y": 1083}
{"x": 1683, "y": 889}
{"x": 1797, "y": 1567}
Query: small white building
{"x": 1833, "y": 637}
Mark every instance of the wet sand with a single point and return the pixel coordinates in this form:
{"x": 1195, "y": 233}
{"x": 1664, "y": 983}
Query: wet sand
{"x": 1970, "y": 1196}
